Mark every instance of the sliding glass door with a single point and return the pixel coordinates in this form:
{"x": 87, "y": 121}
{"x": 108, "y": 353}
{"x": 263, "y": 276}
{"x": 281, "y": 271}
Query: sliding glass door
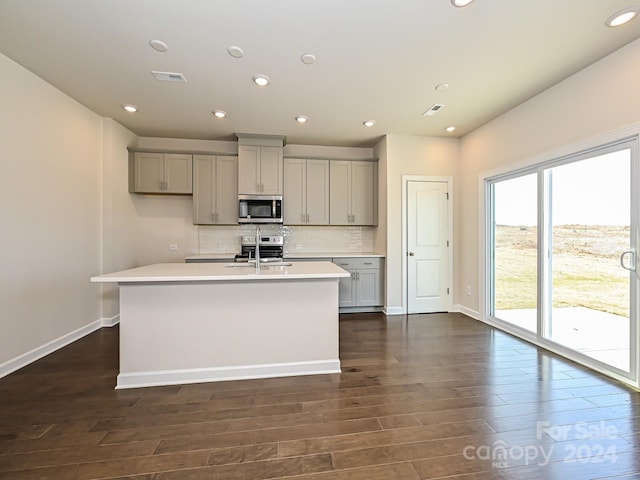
{"x": 588, "y": 229}
{"x": 562, "y": 260}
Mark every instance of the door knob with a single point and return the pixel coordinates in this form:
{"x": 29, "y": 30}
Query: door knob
{"x": 411, "y": 254}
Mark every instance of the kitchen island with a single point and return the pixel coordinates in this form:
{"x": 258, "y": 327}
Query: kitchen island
{"x": 205, "y": 322}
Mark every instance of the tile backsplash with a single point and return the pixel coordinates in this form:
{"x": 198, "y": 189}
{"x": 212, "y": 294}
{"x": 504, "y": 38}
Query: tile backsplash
{"x": 297, "y": 239}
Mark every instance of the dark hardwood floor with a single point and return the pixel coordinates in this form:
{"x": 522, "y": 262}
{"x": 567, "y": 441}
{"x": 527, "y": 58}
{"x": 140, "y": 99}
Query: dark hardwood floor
{"x": 424, "y": 396}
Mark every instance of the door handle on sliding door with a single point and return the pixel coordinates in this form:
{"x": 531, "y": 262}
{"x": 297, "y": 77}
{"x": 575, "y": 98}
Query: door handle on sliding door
{"x": 632, "y": 266}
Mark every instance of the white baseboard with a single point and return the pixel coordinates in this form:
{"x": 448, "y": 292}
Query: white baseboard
{"x": 467, "y": 311}
{"x": 110, "y": 322}
{"x": 37, "y": 353}
{"x": 201, "y": 375}
{"x": 393, "y": 311}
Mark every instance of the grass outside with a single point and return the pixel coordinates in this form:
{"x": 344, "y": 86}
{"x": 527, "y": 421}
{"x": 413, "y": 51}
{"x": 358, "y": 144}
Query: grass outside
{"x": 586, "y": 269}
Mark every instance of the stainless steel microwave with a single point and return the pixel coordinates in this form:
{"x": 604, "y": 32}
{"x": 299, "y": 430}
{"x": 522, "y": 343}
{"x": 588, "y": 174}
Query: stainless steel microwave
{"x": 259, "y": 208}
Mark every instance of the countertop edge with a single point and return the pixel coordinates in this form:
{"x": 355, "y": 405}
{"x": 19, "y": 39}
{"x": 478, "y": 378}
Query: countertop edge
{"x": 295, "y": 256}
{"x": 210, "y": 273}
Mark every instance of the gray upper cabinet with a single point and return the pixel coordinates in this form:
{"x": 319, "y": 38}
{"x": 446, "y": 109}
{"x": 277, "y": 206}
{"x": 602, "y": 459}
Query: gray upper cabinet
{"x": 168, "y": 173}
{"x": 306, "y": 192}
{"x": 353, "y": 193}
{"x": 215, "y": 194}
{"x": 260, "y": 170}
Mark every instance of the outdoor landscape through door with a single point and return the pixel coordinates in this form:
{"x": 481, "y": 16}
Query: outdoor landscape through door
{"x": 588, "y": 228}
{"x": 427, "y": 247}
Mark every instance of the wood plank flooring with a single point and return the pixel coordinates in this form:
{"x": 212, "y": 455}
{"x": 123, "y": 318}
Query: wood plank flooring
{"x": 419, "y": 397}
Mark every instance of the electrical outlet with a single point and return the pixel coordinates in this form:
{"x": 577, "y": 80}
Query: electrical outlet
{"x": 298, "y": 246}
{"x": 468, "y": 290}
{"x": 173, "y": 247}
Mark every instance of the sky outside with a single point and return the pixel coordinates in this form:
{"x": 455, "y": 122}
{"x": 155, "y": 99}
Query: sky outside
{"x": 595, "y": 191}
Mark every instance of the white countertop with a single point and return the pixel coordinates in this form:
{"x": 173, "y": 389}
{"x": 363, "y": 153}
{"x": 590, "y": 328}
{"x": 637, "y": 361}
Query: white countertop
{"x": 290, "y": 256}
{"x": 217, "y": 272}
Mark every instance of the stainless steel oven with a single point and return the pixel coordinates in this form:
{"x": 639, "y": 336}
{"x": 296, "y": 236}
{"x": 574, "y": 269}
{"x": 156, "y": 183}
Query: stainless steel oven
{"x": 271, "y": 248}
{"x": 259, "y": 208}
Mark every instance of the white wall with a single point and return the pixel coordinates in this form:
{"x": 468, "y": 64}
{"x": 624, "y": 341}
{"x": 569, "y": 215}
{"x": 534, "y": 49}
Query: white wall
{"x": 601, "y": 98}
{"x": 120, "y": 219}
{"x": 410, "y": 155}
{"x": 50, "y": 205}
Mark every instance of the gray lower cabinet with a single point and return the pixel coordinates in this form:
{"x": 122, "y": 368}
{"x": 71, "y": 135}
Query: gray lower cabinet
{"x": 364, "y": 287}
{"x": 215, "y": 193}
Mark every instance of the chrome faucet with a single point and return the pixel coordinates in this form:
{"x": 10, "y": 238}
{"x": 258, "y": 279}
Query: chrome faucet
{"x": 257, "y": 256}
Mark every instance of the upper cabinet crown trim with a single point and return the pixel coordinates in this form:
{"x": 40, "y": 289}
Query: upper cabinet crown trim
{"x": 328, "y": 157}
{"x": 185, "y": 152}
{"x": 261, "y": 140}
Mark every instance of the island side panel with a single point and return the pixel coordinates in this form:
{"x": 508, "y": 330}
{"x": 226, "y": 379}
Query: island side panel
{"x": 173, "y": 333}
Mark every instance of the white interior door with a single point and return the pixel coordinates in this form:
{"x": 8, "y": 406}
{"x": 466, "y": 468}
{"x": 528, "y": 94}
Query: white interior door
{"x": 427, "y": 247}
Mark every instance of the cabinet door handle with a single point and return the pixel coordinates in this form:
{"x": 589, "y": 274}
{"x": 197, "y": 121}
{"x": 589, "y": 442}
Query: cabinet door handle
{"x": 307, "y": 218}
{"x": 368, "y": 263}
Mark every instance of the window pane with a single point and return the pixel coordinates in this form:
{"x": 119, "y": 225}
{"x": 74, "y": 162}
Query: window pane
{"x": 588, "y": 302}
{"x": 515, "y": 244}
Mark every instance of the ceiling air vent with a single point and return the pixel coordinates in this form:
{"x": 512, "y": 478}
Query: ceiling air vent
{"x": 433, "y": 109}
{"x": 169, "y": 77}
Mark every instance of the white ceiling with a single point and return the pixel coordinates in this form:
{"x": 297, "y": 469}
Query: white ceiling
{"x": 376, "y": 59}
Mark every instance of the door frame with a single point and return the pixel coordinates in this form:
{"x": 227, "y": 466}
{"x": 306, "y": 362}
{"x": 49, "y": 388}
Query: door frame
{"x": 405, "y": 269}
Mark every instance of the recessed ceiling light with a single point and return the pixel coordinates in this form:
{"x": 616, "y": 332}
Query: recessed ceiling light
{"x": 235, "y": 52}
{"x": 450, "y": 128}
{"x": 308, "y": 58}
{"x": 301, "y": 118}
{"x": 369, "y": 123}
{"x": 220, "y": 113}
{"x": 261, "y": 80}
{"x": 460, "y": 3}
{"x": 130, "y": 108}
{"x": 622, "y": 16}
{"x": 159, "y": 45}
{"x": 441, "y": 87}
